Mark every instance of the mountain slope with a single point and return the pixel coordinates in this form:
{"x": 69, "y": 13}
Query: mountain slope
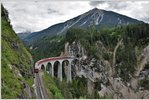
{"x": 23, "y": 35}
{"x": 16, "y": 64}
{"x": 96, "y": 17}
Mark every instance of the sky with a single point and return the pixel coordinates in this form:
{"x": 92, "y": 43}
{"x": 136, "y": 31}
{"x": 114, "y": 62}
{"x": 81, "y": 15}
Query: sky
{"x": 33, "y": 15}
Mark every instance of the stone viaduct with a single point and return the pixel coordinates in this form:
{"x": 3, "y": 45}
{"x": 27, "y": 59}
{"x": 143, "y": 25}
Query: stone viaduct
{"x": 47, "y": 64}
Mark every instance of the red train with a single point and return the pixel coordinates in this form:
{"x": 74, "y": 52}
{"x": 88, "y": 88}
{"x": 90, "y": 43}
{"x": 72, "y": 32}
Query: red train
{"x": 36, "y": 70}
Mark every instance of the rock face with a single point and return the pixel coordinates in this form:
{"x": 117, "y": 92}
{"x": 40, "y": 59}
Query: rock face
{"x": 101, "y": 71}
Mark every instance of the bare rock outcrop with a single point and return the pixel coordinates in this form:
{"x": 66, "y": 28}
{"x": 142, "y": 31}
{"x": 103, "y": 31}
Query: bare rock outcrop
{"x": 101, "y": 70}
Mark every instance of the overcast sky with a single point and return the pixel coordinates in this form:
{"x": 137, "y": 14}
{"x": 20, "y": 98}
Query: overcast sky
{"x": 35, "y": 16}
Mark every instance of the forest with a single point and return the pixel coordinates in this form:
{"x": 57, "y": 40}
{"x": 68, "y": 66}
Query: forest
{"x": 133, "y": 37}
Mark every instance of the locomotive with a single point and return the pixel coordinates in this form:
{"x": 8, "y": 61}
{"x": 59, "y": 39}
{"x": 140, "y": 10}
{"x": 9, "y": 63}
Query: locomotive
{"x": 36, "y": 70}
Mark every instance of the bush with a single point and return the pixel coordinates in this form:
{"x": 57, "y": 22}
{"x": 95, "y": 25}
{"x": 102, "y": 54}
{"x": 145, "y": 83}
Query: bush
{"x": 53, "y": 90}
{"x": 144, "y": 83}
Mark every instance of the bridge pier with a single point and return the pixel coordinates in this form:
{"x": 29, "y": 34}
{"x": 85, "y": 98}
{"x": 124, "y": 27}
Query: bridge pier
{"x": 69, "y": 76}
{"x": 52, "y": 69}
{"x": 60, "y": 70}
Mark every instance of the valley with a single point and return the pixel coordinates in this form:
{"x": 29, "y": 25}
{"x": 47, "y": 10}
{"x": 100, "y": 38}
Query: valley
{"x": 109, "y": 59}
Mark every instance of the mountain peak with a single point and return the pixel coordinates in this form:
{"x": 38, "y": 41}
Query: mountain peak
{"x": 97, "y": 17}
{"x": 94, "y": 10}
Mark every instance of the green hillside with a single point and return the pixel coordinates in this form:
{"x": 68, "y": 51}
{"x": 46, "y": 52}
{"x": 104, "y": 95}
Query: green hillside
{"x": 16, "y": 62}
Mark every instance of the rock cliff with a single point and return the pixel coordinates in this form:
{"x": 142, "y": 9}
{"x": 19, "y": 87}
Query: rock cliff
{"x": 101, "y": 71}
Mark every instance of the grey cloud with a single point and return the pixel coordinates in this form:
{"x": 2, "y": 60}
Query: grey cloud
{"x": 113, "y": 5}
{"x": 29, "y": 15}
{"x": 51, "y": 11}
{"x": 96, "y": 3}
{"x": 117, "y": 5}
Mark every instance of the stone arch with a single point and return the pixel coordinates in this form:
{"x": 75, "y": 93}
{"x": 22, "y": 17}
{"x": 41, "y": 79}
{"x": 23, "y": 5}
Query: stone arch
{"x": 49, "y": 67}
{"x": 56, "y": 68}
{"x": 65, "y": 64}
{"x": 42, "y": 67}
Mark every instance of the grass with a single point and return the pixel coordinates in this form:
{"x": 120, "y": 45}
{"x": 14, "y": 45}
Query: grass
{"x": 11, "y": 84}
{"x": 30, "y": 82}
{"x": 15, "y": 60}
{"x": 52, "y": 88}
